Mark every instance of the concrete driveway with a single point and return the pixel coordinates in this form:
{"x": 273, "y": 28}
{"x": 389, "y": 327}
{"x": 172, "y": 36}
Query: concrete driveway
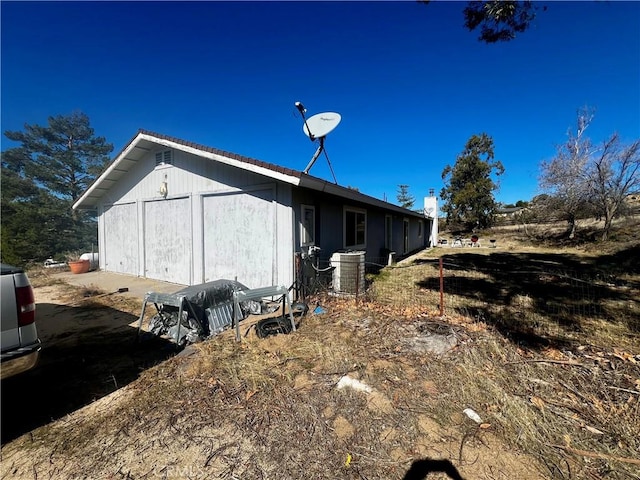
{"x": 110, "y": 282}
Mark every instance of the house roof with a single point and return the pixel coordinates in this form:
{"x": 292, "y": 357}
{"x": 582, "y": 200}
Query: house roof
{"x": 145, "y": 141}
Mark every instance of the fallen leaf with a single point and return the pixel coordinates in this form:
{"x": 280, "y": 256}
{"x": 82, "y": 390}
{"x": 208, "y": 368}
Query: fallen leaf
{"x": 484, "y": 426}
{"x": 627, "y": 357}
{"x": 538, "y": 402}
{"x": 593, "y": 430}
{"x": 554, "y": 354}
{"x": 250, "y": 394}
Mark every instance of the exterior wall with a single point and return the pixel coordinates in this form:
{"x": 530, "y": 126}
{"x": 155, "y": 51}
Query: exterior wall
{"x": 329, "y": 212}
{"x": 216, "y": 221}
{"x": 172, "y": 229}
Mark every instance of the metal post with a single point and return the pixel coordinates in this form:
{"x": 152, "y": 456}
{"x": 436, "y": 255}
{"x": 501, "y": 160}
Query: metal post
{"x": 441, "y": 288}
{"x": 144, "y": 306}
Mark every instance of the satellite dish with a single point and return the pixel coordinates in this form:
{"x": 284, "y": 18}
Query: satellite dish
{"x": 318, "y": 127}
{"x": 321, "y": 124}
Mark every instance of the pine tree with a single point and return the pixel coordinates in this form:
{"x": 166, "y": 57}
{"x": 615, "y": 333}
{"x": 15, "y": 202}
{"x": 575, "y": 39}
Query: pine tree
{"x": 405, "y": 199}
{"x": 40, "y": 181}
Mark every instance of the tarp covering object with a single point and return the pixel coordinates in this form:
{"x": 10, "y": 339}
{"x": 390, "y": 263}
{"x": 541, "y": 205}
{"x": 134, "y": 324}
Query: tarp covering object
{"x": 207, "y": 311}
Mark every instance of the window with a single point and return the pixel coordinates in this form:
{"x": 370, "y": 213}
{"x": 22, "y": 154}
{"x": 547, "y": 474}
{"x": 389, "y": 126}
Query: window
{"x": 355, "y": 228}
{"x": 388, "y": 232}
{"x": 420, "y": 228}
{"x": 164, "y": 158}
{"x": 308, "y": 225}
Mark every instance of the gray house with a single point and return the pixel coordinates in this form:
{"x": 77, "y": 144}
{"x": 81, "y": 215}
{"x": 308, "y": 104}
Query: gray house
{"x": 176, "y": 211}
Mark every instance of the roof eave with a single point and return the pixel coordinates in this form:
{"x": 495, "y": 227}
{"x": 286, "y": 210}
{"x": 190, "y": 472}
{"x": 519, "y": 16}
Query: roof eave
{"x": 320, "y": 185}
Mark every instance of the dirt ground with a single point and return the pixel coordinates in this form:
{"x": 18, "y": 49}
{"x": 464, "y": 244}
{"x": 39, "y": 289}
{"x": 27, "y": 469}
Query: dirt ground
{"x": 88, "y": 373}
{"x": 88, "y": 352}
{"x": 359, "y": 392}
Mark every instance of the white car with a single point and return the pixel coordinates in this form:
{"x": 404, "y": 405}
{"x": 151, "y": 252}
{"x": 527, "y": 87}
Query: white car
{"x": 20, "y": 342}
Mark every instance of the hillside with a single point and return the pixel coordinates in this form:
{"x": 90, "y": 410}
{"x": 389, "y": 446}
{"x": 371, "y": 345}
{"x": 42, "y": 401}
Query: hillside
{"x": 377, "y": 383}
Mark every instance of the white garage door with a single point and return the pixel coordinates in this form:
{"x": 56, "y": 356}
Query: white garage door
{"x": 121, "y": 239}
{"x": 167, "y": 240}
{"x": 239, "y": 237}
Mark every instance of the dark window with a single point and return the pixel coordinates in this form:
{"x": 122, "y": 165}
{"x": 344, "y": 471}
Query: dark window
{"x": 355, "y": 228}
{"x": 308, "y": 226}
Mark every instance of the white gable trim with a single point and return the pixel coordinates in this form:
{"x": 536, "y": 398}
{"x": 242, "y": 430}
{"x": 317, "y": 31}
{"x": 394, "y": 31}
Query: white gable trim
{"x": 97, "y": 184}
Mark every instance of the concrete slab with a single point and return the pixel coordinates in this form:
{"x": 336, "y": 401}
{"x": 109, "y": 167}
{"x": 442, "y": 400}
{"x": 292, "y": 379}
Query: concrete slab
{"x": 110, "y": 282}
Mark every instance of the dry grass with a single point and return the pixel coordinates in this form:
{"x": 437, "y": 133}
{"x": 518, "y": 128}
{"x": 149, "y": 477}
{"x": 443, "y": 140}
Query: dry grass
{"x": 557, "y": 398}
{"x": 557, "y": 369}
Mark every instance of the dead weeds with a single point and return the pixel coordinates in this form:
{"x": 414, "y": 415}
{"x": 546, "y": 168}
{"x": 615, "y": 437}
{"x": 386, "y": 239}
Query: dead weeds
{"x": 554, "y": 401}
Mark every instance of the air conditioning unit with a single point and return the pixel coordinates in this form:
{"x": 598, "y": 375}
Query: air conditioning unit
{"x": 348, "y": 273}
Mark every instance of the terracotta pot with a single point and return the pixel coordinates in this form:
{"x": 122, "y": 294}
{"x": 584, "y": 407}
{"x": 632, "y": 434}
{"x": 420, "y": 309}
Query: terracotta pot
{"x": 79, "y": 266}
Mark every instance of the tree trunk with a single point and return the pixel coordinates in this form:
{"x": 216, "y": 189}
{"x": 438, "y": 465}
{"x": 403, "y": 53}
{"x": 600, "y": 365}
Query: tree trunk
{"x": 572, "y": 228}
{"x": 608, "y": 220}
{"x": 605, "y": 232}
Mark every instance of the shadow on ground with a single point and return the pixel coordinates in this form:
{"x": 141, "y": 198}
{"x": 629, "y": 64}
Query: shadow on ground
{"x": 420, "y": 469}
{"x": 561, "y": 288}
{"x": 88, "y": 352}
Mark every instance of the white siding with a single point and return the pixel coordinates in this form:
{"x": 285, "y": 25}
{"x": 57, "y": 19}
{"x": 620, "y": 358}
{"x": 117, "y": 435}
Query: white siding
{"x": 239, "y": 237}
{"x": 167, "y": 240}
{"x": 216, "y": 222}
{"x": 120, "y": 246}
{"x": 187, "y": 175}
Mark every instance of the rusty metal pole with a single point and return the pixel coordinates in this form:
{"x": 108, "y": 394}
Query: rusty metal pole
{"x": 441, "y": 288}
{"x": 357, "y": 282}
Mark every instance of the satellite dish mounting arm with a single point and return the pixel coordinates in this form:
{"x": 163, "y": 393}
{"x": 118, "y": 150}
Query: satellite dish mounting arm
{"x": 311, "y": 136}
{"x": 315, "y": 155}
{"x": 302, "y": 111}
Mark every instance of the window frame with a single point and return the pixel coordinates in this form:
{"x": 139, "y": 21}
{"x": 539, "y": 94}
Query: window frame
{"x": 304, "y": 240}
{"x": 357, "y": 212}
{"x": 406, "y": 233}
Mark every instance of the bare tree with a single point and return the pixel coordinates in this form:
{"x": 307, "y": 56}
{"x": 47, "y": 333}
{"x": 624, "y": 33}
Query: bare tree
{"x": 564, "y": 177}
{"x": 612, "y": 176}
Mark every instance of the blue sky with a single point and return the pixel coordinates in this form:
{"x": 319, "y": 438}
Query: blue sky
{"x": 411, "y": 83}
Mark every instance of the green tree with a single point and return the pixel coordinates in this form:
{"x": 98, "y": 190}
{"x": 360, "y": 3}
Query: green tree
{"x": 498, "y": 20}
{"x": 468, "y": 199}
{"x": 405, "y": 199}
{"x": 41, "y": 179}
{"x": 65, "y": 156}
{"x": 35, "y": 223}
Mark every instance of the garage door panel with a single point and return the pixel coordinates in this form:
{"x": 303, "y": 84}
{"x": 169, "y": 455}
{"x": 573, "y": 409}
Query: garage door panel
{"x": 239, "y": 237}
{"x": 121, "y": 239}
{"x": 167, "y": 237}
{"x": 219, "y": 238}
